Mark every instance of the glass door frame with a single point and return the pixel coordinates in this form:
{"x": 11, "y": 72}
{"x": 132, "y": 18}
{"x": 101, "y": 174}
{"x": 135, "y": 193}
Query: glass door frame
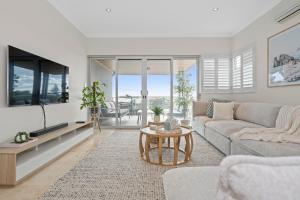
{"x": 144, "y": 91}
{"x": 117, "y": 59}
{"x": 158, "y": 58}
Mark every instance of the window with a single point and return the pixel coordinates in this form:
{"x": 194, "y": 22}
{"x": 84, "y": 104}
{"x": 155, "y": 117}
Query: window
{"x": 209, "y": 74}
{"x": 243, "y": 71}
{"x": 216, "y": 74}
{"x": 236, "y": 72}
{"x": 222, "y": 74}
{"x": 248, "y": 81}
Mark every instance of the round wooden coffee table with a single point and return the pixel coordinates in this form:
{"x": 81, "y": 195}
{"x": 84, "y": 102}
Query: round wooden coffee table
{"x": 146, "y": 136}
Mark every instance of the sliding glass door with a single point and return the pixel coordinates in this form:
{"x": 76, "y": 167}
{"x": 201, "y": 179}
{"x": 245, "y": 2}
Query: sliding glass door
{"x": 134, "y": 86}
{"x": 158, "y": 87}
{"x": 103, "y": 70}
{"x": 185, "y": 87}
{"x": 129, "y": 87}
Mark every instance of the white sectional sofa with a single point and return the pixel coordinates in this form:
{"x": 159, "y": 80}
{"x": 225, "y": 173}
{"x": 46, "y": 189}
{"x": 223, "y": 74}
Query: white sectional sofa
{"x": 237, "y": 178}
{"x": 247, "y": 115}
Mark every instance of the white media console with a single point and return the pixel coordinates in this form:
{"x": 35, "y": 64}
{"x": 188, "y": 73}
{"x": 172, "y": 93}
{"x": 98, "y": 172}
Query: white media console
{"x": 17, "y": 163}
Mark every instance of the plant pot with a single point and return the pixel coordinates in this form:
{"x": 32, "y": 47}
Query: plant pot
{"x": 93, "y": 110}
{"x": 156, "y": 118}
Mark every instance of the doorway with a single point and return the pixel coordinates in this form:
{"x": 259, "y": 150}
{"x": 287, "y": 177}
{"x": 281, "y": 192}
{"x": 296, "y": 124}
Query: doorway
{"x": 135, "y": 85}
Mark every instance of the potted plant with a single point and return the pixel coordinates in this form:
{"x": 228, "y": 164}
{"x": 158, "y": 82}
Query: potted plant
{"x": 92, "y": 98}
{"x": 157, "y": 112}
{"x": 184, "y": 90}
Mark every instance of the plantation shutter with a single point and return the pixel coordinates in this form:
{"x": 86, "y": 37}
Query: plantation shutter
{"x": 209, "y": 75}
{"x": 223, "y": 74}
{"x": 248, "y": 69}
{"x": 236, "y": 72}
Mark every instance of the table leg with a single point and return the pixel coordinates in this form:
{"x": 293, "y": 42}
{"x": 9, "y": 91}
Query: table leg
{"x": 176, "y": 148}
{"x": 192, "y": 144}
{"x": 160, "y": 149}
{"x": 147, "y": 147}
{"x": 141, "y": 145}
{"x": 187, "y": 148}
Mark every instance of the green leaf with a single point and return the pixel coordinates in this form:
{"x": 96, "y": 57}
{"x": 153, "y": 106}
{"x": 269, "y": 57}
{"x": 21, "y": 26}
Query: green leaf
{"x": 92, "y": 96}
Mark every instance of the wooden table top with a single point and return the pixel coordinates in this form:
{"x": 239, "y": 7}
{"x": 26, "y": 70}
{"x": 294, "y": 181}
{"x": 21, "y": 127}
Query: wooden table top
{"x": 147, "y": 131}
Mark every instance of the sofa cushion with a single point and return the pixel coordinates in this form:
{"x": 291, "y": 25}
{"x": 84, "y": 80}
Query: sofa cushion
{"x": 223, "y": 111}
{"x": 210, "y": 106}
{"x": 236, "y": 106}
{"x": 199, "y": 124}
{"x": 191, "y": 183}
{"x": 202, "y": 119}
{"x": 284, "y": 116}
{"x": 262, "y": 148}
{"x": 251, "y": 177}
{"x": 218, "y": 140}
{"x": 260, "y": 113}
{"x": 199, "y": 108}
{"x": 228, "y": 127}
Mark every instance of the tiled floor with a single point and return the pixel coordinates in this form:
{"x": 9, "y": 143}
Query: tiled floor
{"x": 33, "y": 187}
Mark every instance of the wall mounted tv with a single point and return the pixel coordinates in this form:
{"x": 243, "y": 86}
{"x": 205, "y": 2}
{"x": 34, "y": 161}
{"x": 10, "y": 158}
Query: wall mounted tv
{"x": 33, "y": 80}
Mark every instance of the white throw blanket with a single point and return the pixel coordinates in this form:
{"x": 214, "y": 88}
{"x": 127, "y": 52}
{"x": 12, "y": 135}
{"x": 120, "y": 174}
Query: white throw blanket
{"x": 289, "y": 133}
{"x": 259, "y": 178}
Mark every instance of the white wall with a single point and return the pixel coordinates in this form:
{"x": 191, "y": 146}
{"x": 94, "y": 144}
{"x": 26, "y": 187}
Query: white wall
{"x": 103, "y": 75}
{"x": 257, "y": 34}
{"x": 35, "y": 26}
{"x": 157, "y": 46}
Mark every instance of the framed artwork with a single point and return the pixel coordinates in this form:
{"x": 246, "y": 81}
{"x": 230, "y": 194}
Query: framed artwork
{"x": 284, "y": 57}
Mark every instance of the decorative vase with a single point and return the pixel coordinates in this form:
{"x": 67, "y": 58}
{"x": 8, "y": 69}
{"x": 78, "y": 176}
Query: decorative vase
{"x": 94, "y": 112}
{"x": 167, "y": 124}
{"x": 171, "y": 123}
{"x": 157, "y": 118}
{"x": 21, "y": 137}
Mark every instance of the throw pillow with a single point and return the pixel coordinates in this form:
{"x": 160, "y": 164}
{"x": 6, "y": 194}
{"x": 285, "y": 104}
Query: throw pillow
{"x": 223, "y": 111}
{"x": 284, "y": 117}
{"x": 210, "y": 107}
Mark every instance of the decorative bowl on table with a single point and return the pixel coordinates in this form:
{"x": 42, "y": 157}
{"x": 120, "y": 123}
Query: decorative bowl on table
{"x": 171, "y": 124}
{"x": 185, "y": 122}
{"x": 153, "y": 127}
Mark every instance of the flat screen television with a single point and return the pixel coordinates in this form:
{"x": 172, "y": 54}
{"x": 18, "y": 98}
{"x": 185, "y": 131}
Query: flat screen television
{"x": 33, "y": 80}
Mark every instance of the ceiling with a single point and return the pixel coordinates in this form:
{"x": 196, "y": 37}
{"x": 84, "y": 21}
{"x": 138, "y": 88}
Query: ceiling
{"x": 162, "y": 18}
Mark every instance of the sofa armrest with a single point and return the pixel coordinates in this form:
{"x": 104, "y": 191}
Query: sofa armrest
{"x": 199, "y": 108}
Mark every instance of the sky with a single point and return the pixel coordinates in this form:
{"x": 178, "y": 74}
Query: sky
{"x": 158, "y": 85}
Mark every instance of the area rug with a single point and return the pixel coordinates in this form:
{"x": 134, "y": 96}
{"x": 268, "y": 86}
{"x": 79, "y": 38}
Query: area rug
{"x": 115, "y": 171}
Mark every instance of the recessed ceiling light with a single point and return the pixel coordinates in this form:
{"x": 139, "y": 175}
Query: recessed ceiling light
{"x": 108, "y": 10}
{"x": 215, "y": 9}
